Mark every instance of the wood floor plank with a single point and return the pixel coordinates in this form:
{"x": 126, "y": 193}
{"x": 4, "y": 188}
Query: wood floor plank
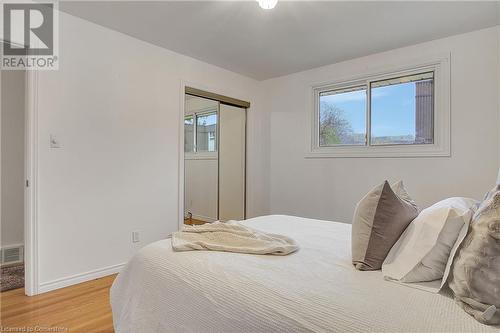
{"x": 193, "y": 221}
{"x": 80, "y": 308}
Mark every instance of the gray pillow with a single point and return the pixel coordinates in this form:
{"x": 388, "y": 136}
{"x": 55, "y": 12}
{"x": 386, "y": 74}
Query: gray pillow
{"x": 475, "y": 274}
{"x": 379, "y": 220}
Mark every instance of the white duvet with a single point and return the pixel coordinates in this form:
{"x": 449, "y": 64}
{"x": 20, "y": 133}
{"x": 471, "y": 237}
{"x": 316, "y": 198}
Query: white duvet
{"x": 313, "y": 290}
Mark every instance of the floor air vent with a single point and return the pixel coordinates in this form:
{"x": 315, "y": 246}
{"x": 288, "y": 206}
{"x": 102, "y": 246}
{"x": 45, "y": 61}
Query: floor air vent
{"x": 12, "y": 254}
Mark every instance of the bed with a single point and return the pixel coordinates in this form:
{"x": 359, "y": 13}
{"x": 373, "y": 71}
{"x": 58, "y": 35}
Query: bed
{"x": 313, "y": 290}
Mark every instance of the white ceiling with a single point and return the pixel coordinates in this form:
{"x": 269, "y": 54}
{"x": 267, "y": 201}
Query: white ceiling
{"x": 294, "y": 36}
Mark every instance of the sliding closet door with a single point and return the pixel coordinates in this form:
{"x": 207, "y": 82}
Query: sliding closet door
{"x": 231, "y": 163}
{"x": 200, "y": 160}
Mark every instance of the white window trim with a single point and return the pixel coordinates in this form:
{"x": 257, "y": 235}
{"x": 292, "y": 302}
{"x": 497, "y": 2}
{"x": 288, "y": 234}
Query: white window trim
{"x": 203, "y": 155}
{"x": 442, "y": 132}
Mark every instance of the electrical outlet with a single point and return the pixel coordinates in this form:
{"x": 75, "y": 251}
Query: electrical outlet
{"x": 54, "y": 142}
{"x": 135, "y": 237}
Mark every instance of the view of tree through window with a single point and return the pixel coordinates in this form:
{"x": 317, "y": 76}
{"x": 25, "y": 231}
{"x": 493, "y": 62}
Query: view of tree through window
{"x": 342, "y": 117}
{"x": 401, "y": 111}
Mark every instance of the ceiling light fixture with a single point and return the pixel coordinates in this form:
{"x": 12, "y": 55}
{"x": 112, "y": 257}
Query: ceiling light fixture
{"x": 267, "y": 4}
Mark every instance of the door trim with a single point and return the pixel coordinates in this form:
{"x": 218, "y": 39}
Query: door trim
{"x": 31, "y": 259}
{"x": 216, "y": 97}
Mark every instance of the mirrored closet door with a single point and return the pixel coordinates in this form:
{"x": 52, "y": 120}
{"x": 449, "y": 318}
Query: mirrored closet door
{"x": 214, "y": 160}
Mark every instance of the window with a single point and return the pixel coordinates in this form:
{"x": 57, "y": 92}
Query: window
{"x": 206, "y": 125}
{"x": 402, "y": 110}
{"x": 189, "y": 134}
{"x": 342, "y": 117}
{"x": 200, "y": 132}
{"x": 387, "y": 115}
{"x": 211, "y": 141}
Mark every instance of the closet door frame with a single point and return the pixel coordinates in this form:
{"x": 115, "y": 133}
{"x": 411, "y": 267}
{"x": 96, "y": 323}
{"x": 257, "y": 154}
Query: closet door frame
{"x": 201, "y": 90}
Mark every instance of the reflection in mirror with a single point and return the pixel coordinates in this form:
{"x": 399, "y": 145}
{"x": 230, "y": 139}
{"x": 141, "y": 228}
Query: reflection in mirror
{"x": 200, "y": 160}
{"x": 206, "y": 125}
{"x": 189, "y": 134}
{"x": 214, "y": 161}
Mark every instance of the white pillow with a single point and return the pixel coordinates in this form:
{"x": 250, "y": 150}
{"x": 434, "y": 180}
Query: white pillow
{"x": 425, "y": 250}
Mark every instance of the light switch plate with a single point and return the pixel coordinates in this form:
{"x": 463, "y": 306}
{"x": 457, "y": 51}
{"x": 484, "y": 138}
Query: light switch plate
{"x": 135, "y": 237}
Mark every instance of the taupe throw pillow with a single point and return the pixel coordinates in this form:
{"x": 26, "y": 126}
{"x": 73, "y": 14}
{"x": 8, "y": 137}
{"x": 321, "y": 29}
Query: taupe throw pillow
{"x": 379, "y": 220}
{"x": 475, "y": 274}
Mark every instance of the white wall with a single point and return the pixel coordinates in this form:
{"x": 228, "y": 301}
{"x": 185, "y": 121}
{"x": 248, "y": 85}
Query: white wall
{"x": 114, "y": 104}
{"x": 12, "y": 156}
{"x": 329, "y": 188}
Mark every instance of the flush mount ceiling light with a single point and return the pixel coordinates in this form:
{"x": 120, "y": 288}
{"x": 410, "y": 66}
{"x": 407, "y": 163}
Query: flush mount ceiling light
{"x": 267, "y": 4}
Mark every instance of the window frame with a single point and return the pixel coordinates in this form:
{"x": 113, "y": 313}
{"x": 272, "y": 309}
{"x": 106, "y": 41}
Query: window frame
{"x": 440, "y": 66}
{"x": 193, "y": 119}
{"x": 358, "y": 84}
{"x": 201, "y": 114}
{"x": 195, "y": 154}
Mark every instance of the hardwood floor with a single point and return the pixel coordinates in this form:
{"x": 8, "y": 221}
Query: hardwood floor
{"x": 193, "y": 221}
{"x": 80, "y": 308}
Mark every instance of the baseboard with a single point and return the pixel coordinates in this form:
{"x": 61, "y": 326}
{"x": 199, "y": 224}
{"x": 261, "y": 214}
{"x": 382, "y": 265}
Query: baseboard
{"x": 19, "y": 263}
{"x": 79, "y": 278}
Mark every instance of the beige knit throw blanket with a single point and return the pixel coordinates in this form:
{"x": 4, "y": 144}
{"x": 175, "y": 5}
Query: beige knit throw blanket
{"x": 231, "y": 236}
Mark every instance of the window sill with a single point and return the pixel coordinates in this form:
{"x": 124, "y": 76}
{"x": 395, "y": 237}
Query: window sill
{"x": 201, "y": 156}
{"x": 393, "y": 151}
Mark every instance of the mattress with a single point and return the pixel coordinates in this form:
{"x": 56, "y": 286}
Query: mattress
{"x": 313, "y": 290}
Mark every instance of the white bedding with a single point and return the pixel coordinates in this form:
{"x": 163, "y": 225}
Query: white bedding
{"x": 231, "y": 236}
{"x": 313, "y": 290}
